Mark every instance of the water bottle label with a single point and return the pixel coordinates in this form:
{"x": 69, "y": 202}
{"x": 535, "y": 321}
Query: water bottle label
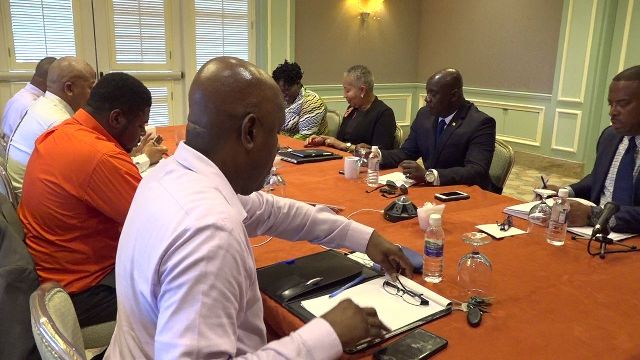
{"x": 374, "y": 165}
{"x": 562, "y": 217}
{"x": 433, "y": 249}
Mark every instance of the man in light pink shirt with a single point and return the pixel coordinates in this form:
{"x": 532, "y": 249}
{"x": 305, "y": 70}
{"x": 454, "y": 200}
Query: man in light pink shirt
{"x": 187, "y": 284}
{"x": 18, "y": 105}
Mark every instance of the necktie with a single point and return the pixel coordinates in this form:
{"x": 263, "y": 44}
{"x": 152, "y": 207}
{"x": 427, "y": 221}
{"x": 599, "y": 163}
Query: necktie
{"x": 623, "y": 186}
{"x": 440, "y": 129}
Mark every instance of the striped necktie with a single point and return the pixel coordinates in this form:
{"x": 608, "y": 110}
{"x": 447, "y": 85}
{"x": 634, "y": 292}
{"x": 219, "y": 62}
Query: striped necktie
{"x": 623, "y": 185}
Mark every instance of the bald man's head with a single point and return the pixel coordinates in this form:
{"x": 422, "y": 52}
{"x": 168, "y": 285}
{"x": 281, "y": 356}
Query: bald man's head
{"x": 444, "y": 92}
{"x": 39, "y": 78}
{"x": 71, "y": 79}
{"x": 235, "y": 112}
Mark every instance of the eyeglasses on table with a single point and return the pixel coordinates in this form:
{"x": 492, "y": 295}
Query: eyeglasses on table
{"x": 407, "y": 295}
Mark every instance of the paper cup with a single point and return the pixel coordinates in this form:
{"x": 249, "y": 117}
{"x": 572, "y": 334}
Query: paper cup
{"x": 351, "y": 167}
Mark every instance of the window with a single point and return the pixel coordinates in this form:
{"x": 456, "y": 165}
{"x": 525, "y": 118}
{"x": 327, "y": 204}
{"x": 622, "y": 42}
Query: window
{"x": 139, "y": 31}
{"x": 159, "y": 114}
{"x": 42, "y": 28}
{"x": 222, "y": 28}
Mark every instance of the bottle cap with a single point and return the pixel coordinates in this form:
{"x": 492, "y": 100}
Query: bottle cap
{"x": 435, "y": 220}
{"x": 563, "y": 193}
{"x": 374, "y": 148}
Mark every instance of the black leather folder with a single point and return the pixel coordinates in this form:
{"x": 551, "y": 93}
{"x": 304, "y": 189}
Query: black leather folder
{"x": 307, "y": 156}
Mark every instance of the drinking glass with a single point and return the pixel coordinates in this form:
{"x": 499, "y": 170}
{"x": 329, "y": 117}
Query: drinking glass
{"x": 539, "y": 214}
{"x": 474, "y": 268}
{"x": 274, "y": 183}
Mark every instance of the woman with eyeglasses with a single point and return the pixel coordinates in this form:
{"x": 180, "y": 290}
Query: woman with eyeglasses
{"x": 305, "y": 111}
{"x": 367, "y": 120}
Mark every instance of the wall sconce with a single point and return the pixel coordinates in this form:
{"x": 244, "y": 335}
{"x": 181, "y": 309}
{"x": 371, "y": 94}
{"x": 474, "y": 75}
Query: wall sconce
{"x": 367, "y": 9}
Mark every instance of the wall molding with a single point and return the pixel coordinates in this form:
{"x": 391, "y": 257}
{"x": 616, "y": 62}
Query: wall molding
{"x": 408, "y": 99}
{"x": 539, "y": 110}
{"x": 625, "y": 35}
{"x": 576, "y": 137}
{"x": 585, "y": 70}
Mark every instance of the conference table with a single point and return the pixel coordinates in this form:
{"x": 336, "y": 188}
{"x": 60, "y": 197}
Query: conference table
{"x": 550, "y": 302}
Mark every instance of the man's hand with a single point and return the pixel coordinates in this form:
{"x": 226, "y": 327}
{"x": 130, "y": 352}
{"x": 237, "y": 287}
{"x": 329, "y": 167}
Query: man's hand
{"x": 139, "y": 150}
{"x": 353, "y": 324}
{"x": 579, "y": 213}
{"x": 154, "y": 152}
{"x": 413, "y": 170}
{"x": 388, "y": 255}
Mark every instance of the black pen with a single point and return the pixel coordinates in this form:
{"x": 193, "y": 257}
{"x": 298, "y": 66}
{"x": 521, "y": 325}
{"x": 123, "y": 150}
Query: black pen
{"x": 544, "y": 183}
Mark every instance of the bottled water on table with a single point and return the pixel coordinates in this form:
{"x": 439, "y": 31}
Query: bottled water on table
{"x": 373, "y": 165}
{"x": 557, "y": 230}
{"x": 433, "y": 260}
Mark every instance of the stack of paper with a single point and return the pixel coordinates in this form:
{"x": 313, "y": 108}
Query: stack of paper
{"x": 394, "y": 312}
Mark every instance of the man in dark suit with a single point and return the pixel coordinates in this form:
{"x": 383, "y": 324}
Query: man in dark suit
{"x": 614, "y": 175}
{"x": 455, "y": 140}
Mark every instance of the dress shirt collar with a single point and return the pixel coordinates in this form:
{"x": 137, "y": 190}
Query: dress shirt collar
{"x": 199, "y": 164}
{"x": 59, "y": 102}
{"x": 33, "y": 89}
{"x": 448, "y": 118}
{"x": 85, "y": 119}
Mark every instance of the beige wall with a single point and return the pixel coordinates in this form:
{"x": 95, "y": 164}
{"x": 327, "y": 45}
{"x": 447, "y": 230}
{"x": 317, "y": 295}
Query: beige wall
{"x": 329, "y": 38}
{"x": 496, "y": 44}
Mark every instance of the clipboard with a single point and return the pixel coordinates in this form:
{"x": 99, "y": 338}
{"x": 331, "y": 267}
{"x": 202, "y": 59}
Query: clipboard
{"x": 336, "y": 270}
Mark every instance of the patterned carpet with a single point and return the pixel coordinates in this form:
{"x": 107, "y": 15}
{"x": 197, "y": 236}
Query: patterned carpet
{"x": 524, "y": 178}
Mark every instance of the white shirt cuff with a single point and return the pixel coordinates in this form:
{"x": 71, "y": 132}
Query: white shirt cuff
{"x": 142, "y": 162}
{"x": 320, "y": 339}
{"x": 358, "y": 237}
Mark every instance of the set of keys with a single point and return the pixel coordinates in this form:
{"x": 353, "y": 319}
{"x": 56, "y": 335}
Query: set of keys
{"x": 474, "y": 307}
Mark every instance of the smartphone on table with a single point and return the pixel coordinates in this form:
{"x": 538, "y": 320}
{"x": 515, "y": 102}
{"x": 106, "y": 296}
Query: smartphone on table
{"x": 418, "y": 344}
{"x": 451, "y": 196}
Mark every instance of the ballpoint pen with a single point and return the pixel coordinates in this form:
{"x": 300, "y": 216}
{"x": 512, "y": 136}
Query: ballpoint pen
{"x": 353, "y": 283}
{"x": 544, "y": 182}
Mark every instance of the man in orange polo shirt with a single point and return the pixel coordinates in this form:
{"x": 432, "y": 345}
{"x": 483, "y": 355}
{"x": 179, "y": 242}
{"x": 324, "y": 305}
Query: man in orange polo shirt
{"x": 78, "y": 188}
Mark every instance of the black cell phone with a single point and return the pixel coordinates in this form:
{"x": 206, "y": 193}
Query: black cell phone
{"x": 419, "y": 344}
{"x": 452, "y": 196}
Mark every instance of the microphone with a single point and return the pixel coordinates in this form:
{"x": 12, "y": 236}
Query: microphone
{"x": 610, "y": 209}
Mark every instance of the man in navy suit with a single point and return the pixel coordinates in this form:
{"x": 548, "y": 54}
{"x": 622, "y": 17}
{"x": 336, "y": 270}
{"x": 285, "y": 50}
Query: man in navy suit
{"x": 614, "y": 175}
{"x": 454, "y": 139}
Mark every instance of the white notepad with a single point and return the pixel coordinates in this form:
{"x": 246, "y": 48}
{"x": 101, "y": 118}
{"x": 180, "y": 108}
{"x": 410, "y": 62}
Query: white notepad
{"x": 394, "y": 312}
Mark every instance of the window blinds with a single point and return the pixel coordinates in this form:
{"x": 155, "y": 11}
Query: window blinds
{"x": 159, "y": 114}
{"x": 42, "y": 28}
{"x": 139, "y": 31}
{"x": 222, "y": 28}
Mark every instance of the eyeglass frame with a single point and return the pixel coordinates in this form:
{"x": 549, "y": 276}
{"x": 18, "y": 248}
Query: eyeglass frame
{"x": 400, "y": 291}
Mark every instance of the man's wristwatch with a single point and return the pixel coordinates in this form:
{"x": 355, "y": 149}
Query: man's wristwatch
{"x": 349, "y": 149}
{"x": 430, "y": 177}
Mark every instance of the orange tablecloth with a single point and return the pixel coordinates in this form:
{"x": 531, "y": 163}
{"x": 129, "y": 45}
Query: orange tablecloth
{"x": 551, "y": 302}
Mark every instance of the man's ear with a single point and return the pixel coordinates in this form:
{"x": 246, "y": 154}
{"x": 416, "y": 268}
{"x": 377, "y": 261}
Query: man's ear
{"x": 363, "y": 90}
{"x": 117, "y": 119}
{"x": 248, "y": 131}
{"x": 68, "y": 88}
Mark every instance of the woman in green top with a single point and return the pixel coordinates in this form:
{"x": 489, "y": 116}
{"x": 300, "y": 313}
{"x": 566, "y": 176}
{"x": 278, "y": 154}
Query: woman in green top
{"x": 305, "y": 112}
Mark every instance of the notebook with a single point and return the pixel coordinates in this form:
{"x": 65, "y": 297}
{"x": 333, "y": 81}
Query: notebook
{"x": 307, "y": 156}
{"x": 314, "y": 277}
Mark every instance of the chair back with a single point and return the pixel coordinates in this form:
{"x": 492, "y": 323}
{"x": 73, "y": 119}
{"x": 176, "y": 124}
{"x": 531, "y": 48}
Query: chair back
{"x": 501, "y": 165}
{"x": 55, "y": 324}
{"x": 18, "y": 280}
{"x": 6, "y": 189}
{"x": 333, "y": 123}
{"x": 397, "y": 137}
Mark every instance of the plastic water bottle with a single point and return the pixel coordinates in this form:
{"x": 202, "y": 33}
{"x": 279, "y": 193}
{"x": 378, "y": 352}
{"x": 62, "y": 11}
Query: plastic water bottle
{"x": 373, "y": 165}
{"x": 557, "y": 230}
{"x": 433, "y": 260}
